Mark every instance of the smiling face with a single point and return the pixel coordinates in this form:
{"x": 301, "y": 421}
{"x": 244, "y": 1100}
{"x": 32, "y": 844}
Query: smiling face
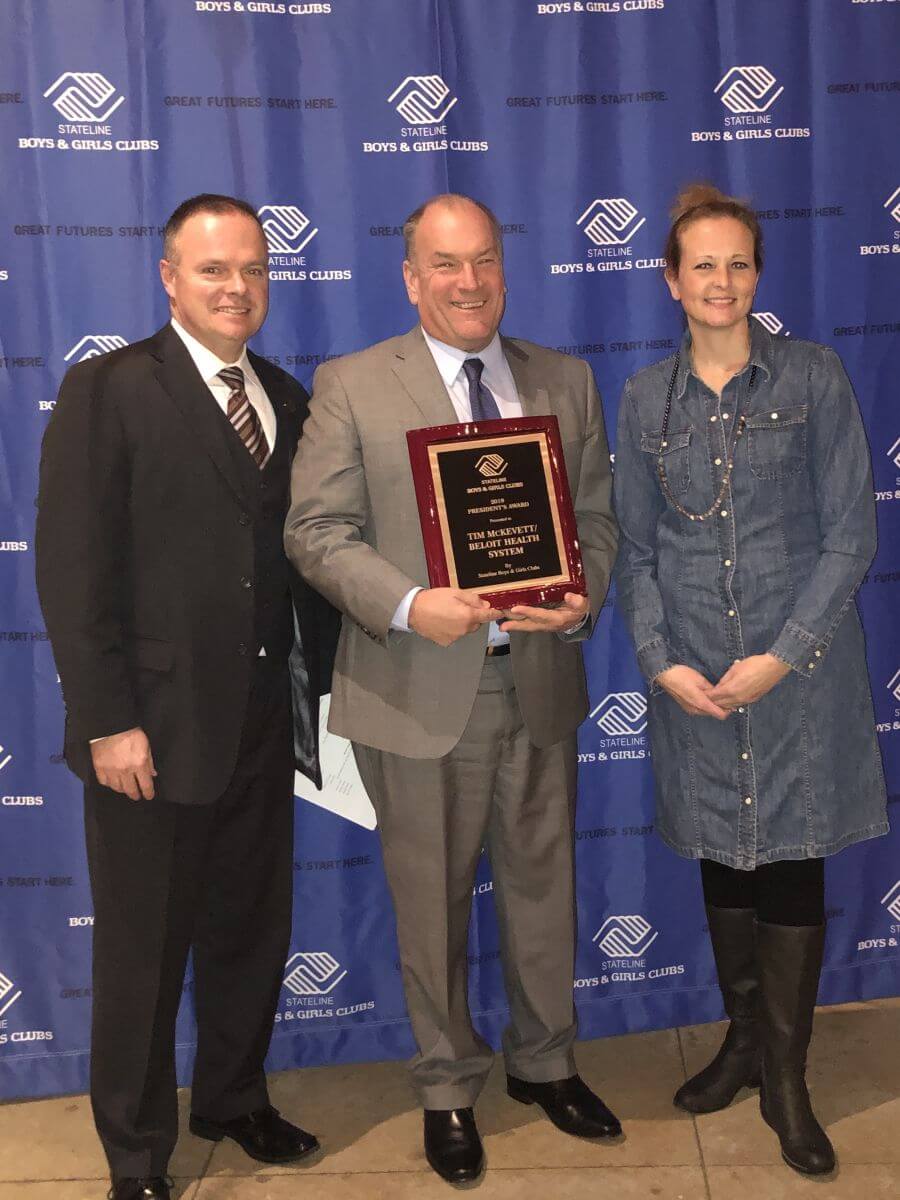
{"x": 455, "y": 275}
{"x": 217, "y": 280}
{"x": 716, "y": 279}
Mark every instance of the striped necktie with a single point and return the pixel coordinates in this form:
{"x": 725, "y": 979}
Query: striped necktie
{"x": 244, "y": 417}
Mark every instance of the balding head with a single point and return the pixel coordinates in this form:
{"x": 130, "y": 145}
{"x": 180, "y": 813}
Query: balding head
{"x": 448, "y": 200}
{"x": 454, "y": 271}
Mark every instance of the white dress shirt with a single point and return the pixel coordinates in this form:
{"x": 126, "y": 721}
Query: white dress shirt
{"x": 498, "y": 378}
{"x": 209, "y": 365}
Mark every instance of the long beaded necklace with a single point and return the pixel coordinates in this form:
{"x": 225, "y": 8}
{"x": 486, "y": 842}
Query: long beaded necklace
{"x": 740, "y": 425}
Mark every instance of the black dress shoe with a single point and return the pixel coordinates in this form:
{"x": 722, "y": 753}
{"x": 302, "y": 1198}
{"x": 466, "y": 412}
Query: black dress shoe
{"x": 152, "y": 1188}
{"x": 452, "y": 1145}
{"x": 569, "y": 1103}
{"x": 262, "y": 1134}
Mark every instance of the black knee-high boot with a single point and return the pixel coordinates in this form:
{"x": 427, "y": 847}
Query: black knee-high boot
{"x": 790, "y": 962}
{"x": 737, "y": 1064}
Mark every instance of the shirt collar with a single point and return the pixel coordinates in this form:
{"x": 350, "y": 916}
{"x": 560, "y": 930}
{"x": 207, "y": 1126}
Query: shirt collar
{"x": 762, "y": 353}
{"x": 208, "y": 364}
{"x": 762, "y": 347}
{"x": 449, "y": 359}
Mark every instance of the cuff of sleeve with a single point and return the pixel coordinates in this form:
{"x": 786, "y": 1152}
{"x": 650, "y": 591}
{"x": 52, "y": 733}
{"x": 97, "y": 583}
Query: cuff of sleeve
{"x": 579, "y": 632}
{"x": 799, "y": 649}
{"x": 86, "y": 730}
{"x": 400, "y": 619}
{"x": 654, "y": 658}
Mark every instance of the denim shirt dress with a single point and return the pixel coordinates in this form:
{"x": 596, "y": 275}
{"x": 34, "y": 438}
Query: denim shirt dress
{"x": 774, "y": 569}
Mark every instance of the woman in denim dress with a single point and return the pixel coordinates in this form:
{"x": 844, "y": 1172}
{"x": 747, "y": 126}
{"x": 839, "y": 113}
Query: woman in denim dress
{"x": 744, "y": 495}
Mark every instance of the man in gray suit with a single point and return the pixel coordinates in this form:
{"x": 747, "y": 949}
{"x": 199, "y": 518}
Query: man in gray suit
{"x": 463, "y": 719}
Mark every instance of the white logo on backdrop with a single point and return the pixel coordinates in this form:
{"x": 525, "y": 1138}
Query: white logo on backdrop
{"x": 423, "y": 99}
{"x": 612, "y": 222}
{"x": 342, "y": 789}
{"x": 625, "y": 936}
{"x": 6, "y": 999}
{"x": 286, "y": 228}
{"x": 748, "y": 89}
{"x": 93, "y": 345}
{"x": 894, "y": 686}
{"x": 891, "y": 901}
{"x": 314, "y": 973}
{"x": 4, "y": 758}
{"x": 771, "y": 322}
{"x": 621, "y": 713}
{"x": 80, "y": 96}
{"x": 894, "y": 199}
{"x": 894, "y": 453}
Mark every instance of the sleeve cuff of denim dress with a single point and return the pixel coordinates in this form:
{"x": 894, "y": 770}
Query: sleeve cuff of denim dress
{"x": 801, "y": 650}
{"x": 654, "y": 658}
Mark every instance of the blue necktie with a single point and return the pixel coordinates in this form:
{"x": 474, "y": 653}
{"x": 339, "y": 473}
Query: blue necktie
{"x": 481, "y": 399}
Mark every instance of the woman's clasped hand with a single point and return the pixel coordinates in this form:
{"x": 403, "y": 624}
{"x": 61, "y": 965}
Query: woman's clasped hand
{"x": 746, "y": 681}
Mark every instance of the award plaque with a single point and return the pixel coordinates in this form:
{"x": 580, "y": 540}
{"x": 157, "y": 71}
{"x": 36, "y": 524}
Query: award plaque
{"x": 495, "y": 510}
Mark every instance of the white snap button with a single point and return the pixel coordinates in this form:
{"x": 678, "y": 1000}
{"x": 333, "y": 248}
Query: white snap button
{"x": 724, "y": 512}
{"x": 748, "y": 799}
{"x": 727, "y": 562}
{"x": 745, "y": 756}
{"x": 725, "y": 416}
{"x": 713, "y": 418}
{"x": 718, "y": 462}
{"x": 774, "y": 416}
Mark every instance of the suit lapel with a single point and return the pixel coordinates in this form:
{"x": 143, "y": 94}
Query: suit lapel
{"x": 182, "y": 382}
{"x": 535, "y": 400}
{"x": 416, "y": 371}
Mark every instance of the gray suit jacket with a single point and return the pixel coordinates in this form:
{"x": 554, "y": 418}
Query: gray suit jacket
{"x": 353, "y": 532}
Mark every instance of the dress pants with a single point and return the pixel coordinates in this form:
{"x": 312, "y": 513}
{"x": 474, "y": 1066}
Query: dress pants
{"x": 495, "y": 790}
{"x": 216, "y": 879}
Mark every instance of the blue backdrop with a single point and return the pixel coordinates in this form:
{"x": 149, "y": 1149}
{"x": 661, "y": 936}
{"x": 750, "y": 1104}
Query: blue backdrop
{"x": 576, "y": 122}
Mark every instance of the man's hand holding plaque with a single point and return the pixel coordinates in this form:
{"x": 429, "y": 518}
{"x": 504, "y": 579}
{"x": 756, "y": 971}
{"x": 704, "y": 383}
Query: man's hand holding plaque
{"x": 564, "y": 617}
{"x": 445, "y": 614}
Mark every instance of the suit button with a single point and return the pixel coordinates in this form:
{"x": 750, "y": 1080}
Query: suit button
{"x": 245, "y": 582}
{"x": 244, "y": 518}
{"x": 243, "y": 648}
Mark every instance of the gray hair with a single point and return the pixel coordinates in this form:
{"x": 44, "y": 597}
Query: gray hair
{"x": 450, "y": 199}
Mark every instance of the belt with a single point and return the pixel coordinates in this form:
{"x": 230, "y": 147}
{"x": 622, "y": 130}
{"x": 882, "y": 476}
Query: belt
{"x": 496, "y": 651}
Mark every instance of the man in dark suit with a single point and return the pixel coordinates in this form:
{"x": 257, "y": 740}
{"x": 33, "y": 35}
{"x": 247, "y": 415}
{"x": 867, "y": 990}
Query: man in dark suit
{"x": 182, "y": 636}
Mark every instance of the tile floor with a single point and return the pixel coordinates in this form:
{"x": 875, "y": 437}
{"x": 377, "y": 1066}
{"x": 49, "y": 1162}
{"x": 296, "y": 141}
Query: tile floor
{"x": 371, "y": 1130}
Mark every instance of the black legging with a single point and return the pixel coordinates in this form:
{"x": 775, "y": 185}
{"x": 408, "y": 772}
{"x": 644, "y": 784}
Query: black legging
{"x": 791, "y": 892}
